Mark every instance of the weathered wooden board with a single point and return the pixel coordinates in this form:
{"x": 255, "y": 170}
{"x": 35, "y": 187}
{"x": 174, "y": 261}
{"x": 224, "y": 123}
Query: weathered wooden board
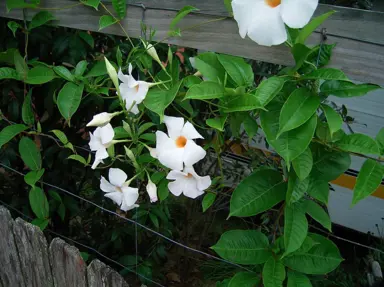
{"x": 101, "y": 275}
{"x": 361, "y": 59}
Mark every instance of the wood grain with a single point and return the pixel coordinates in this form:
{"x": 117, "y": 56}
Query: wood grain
{"x": 101, "y": 275}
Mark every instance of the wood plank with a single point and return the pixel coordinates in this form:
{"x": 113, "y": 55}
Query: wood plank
{"x": 359, "y": 60}
{"x": 101, "y": 275}
{"x": 10, "y": 271}
{"x": 68, "y": 267}
{"x": 33, "y": 253}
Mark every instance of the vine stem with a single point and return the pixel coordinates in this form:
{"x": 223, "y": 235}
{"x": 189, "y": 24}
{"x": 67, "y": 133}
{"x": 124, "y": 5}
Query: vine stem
{"x": 60, "y": 8}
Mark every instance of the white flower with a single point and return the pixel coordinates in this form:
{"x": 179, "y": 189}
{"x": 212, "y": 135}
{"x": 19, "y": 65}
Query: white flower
{"x": 101, "y": 119}
{"x": 132, "y": 92}
{"x": 178, "y": 146}
{"x": 188, "y": 182}
{"x": 263, "y": 20}
{"x": 100, "y": 140}
{"x": 152, "y": 191}
{"x": 118, "y": 190}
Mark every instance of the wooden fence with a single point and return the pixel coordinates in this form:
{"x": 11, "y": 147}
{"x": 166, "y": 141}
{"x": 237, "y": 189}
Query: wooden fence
{"x": 358, "y": 34}
{"x": 27, "y": 261}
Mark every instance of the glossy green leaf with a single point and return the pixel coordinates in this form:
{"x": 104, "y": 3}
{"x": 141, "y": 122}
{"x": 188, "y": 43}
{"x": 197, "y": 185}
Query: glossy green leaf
{"x": 163, "y": 191}
{"x": 61, "y": 136}
{"x": 368, "y": 180}
{"x": 33, "y": 176}
{"x": 154, "y": 220}
{"x": 17, "y": 4}
{"x": 9, "y": 132}
{"x": 27, "y": 111}
{"x": 318, "y": 189}
{"x": 42, "y": 223}
{"x": 321, "y": 55}
{"x": 64, "y": 73}
{"x": 320, "y": 259}
{"x": 20, "y": 65}
{"x": 273, "y": 273}
{"x": 69, "y": 98}
{"x": 359, "y": 143}
{"x": 240, "y": 71}
{"x": 380, "y": 140}
{"x": 295, "y": 228}
{"x": 40, "y": 75}
{"x": 297, "y": 110}
{"x": 191, "y": 80}
{"x": 243, "y": 247}
{"x": 344, "y": 89}
{"x": 78, "y": 158}
{"x": 333, "y": 118}
{"x": 91, "y": 3}
{"x": 80, "y": 68}
{"x": 105, "y": 21}
{"x": 217, "y": 123}
{"x": 87, "y": 38}
{"x": 245, "y": 279}
{"x": 303, "y": 164}
{"x": 228, "y": 6}
{"x": 296, "y": 279}
{"x": 250, "y": 126}
{"x": 99, "y": 69}
{"x": 269, "y": 89}
{"x": 326, "y": 74}
{"x": 120, "y": 7}
{"x": 296, "y": 188}
{"x": 30, "y": 154}
{"x": 210, "y": 67}
{"x": 318, "y": 213}
{"x": 208, "y": 200}
{"x": 9, "y": 73}
{"x": 180, "y": 15}
{"x": 300, "y": 53}
{"x": 40, "y": 19}
{"x": 39, "y": 202}
{"x": 258, "y": 192}
{"x": 13, "y": 26}
{"x": 205, "y": 91}
{"x": 308, "y": 29}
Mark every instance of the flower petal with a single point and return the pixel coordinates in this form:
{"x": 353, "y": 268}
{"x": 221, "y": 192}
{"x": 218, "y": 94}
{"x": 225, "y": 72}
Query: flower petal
{"x": 123, "y": 78}
{"x": 167, "y": 152}
{"x": 174, "y": 126}
{"x": 242, "y": 12}
{"x": 297, "y": 13}
{"x": 267, "y": 27}
{"x": 125, "y": 207}
{"x": 116, "y": 196}
{"x": 94, "y": 142}
{"x": 193, "y": 153}
{"x": 202, "y": 182}
{"x": 117, "y": 177}
{"x": 96, "y": 163}
{"x": 190, "y": 132}
{"x": 130, "y": 195}
{"x": 175, "y": 175}
{"x": 106, "y": 186}
{"x": 107, "y": 134}
{"x": 176, "y": 187}
{"x": 99, "y": 156}
{"x": 142, "y": 91}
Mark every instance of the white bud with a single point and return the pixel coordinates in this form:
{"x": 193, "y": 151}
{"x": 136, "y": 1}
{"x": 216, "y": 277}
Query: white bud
{"x": 101, "y": 119}
{"x": 152, "y": 191}
{"x": 112, "y": 73}
{"x": 152, "y": 52}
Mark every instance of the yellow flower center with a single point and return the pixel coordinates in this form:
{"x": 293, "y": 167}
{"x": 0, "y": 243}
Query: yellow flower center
{"x": 181, "y": 141}
{"x": 118, "y": 188}
{"x": 189, "y": 175}
{"x": 273, "y": 3}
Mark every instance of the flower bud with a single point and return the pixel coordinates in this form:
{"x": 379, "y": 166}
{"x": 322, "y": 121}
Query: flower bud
{"x": 152, "y": 191}
{"x": 152, "y": 52}
{"x": 112, "y": 73}
{"x": 101, "y": 119}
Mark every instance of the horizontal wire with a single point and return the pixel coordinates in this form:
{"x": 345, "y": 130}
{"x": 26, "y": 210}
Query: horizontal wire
{"x": 134, "y": 222}
{"x": 81, "y": 244}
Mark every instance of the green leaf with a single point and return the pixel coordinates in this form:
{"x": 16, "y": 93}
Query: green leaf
{"x": 318, "y": 213}
{"x": 61, "y": 136}
{"x": 210, "y": 67}
{"x": 326, "y": 74}
{"x": 40, "y": 75}
{"x": 120, "y": 7}
{"x": 368, "y": 180}
{"x": 320, "y": 259}
{"x": 380, "y": 140}
{"x": 42, "y": 223}
{"x": 321, "y": 55}
{"x": 180, "y": 15}
{"x": 87, "y": 38}
{"x": 119, "y": 57}
{"x": 20, "y": 65}
{"x": 91, "y": 3}
{"x": 80, "y": 68}
{"x": 308, "y": 29}
{"x": 61, "y": 211}
{"x": 303, "y": 164}
{"x": 250, "y": 126}
{"x": 39, "y": 202}
{"x": 205, "y": 91}
{"x": 241, "y": 103}
{"x": 307, "y": 244}
{"x": 208, "y": 200}
{"x": 300, "y": 52}
{"x": 163, "y": 190}
{"x": 27, "y": 111}
{"x": 30, "y": 153}
{"x": 273, "y": 273}
{"x": 9, "y": 73}
{"x": 158, "y": 100}
{"x": 13, "y": 26}
{"x": 69, "y": 99}
{"x": 154, "y": 219}
{"x": 78, "y": 158}
{"x": 296, "y": 188}
{"x": 191, "y": 80}
{"x": 240, "y": 71}
{"x": 344, "y": 89}
{"x": 217, "y": 123}
{"x": 63, "y": 72}
{"x": 245, "y": 279}
{"x": 105, "y": 21}
{"x": 99, "y": 69}
{"x": 9, "y": 132}
{"x": 318, "y": 189}
{"x": 40, "y": 19}
{"x": 259, "y": 192}
{"x": 228, "y": 6}
{"x": 269, "y": 89}
{"x": 144, "y": 127}
{"x": 359, "y": 143}
{"x": 292, "y": 143}
{"x": 33, "y": 176}
{"x": 295, "y": 228}
{"x": 297, "y": 110}
{"x": 14, "y": 4}
{"x": 328, "y": 165}
{"x": 55, "y": 195}
{"x": 296, "y": 279}
{"x": 333, "y": 118}
{"x": 243, "y": 247}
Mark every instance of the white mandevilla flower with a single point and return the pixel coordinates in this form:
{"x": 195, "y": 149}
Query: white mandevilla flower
{"x": 188, "y": 182}
{"x": 263, "y": 20}
{"x": 101, "y": 119}
{"x": 152, "y": 191}
{"x": 118, "y": 189}
{"x": 132, "y": 92}
{"x": 100, "y": 140}
{"x": 178, "y": 147}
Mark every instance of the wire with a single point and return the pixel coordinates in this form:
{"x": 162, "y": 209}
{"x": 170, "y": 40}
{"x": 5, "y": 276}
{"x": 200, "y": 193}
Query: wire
{"x": 134, "y": 222}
